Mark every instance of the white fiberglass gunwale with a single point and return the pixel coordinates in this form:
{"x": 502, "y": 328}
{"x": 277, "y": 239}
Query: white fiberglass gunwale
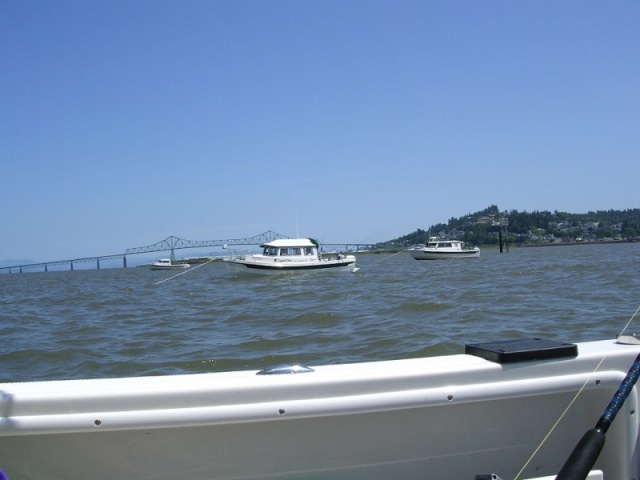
{"x": 163, "y": 401}
{"x": 447, "y": 417}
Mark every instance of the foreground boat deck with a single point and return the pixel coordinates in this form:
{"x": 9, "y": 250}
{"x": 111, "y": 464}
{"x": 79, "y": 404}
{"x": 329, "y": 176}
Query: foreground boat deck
{"x": 438, "y": 417}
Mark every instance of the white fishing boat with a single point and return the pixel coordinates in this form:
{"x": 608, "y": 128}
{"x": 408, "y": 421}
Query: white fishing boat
{"x": 515, "y": 409}
{"x": 168, "y": 264}
{"x": 289, "y": 255}
{"x": 437, "y": 249}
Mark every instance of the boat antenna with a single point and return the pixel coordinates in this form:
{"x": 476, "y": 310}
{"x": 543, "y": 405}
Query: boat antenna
{"x": 297, "y": 230}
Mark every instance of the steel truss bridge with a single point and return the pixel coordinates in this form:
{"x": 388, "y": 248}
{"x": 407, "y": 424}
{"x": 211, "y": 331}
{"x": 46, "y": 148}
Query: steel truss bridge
{"x": 175, "y": 243}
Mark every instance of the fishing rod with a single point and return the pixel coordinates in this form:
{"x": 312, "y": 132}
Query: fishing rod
{"x": 586, "y": 452}
{"x": 575, "y": 457}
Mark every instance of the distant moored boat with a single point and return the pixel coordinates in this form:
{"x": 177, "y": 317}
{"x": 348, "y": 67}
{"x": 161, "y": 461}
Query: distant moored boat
{"x": 167, "y": 264}
{"x": 288, "y": 256}
{"x": 443, "y": 250}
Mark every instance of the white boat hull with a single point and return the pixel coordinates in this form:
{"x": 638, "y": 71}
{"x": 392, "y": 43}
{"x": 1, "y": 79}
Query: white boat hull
{"x": 177, "y": 266}
{"x": 441, "y": 417}
{"x": 257, "y": 265}
{"x": 167, "y": 264}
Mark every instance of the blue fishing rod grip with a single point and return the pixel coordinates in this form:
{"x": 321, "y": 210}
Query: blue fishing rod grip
{"x": 620, "y": 396}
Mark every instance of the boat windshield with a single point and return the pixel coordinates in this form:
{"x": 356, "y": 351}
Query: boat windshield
{"x": 290, "y": 251}
{"x": 273, "y": 251}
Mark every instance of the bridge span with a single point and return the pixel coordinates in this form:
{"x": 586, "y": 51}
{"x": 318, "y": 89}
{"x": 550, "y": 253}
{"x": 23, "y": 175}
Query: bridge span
{"x": 171, "y": 244}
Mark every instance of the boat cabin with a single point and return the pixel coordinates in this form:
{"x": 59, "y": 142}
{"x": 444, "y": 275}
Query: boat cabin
{"x": 445, "y": 244}
{"x": 289, "y": 251}
{"x": 290, "y": 248}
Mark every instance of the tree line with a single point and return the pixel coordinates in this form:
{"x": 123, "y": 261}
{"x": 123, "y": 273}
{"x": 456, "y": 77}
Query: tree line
{"x": 482, "y": 227}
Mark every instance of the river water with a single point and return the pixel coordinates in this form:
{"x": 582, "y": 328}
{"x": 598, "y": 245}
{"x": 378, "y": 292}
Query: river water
{"x": 134, "y": 322}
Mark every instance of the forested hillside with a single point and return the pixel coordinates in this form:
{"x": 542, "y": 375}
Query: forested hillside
{"x": 481, "y": 228}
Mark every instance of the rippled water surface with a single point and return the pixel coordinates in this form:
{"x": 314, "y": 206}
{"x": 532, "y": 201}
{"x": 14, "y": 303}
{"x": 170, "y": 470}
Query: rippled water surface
{"x": 129, "y": 322}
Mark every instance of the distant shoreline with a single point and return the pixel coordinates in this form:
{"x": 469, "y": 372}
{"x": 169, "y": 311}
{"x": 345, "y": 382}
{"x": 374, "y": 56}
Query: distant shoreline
{"x": 509, "y": 245}
{"x": 569, "y": 244}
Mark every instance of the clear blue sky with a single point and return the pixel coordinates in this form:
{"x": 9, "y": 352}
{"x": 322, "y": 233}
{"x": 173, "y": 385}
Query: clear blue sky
{"x": 123, "y": 122}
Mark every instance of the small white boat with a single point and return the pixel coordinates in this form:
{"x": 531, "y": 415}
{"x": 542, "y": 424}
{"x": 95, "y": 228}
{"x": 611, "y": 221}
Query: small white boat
{"x": 513, "y": 408}
{"x": 443, "y": 250}
{"x": 167, "y": 264}
{"x": 289, "y": 256}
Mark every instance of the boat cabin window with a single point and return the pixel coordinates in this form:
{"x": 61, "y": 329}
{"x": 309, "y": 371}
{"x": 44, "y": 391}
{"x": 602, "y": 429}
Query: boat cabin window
{"x": 273, "y": 251}
{"x": 290, "y": 251}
